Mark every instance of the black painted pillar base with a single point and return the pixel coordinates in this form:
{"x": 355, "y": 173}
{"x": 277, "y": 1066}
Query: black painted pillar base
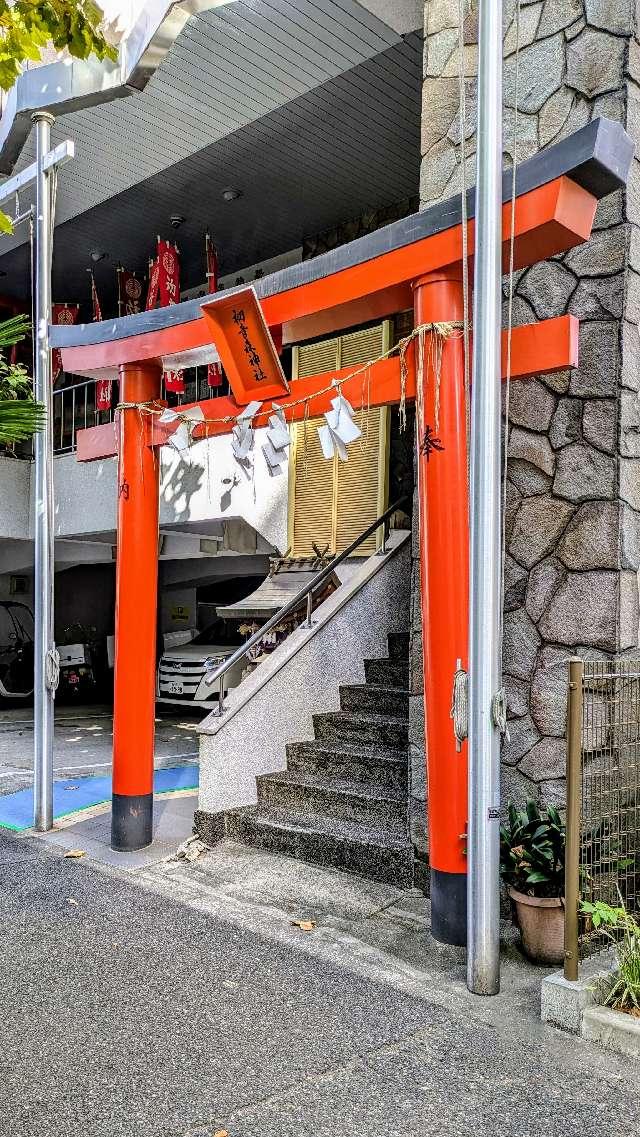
{"x": 131, "y": 822}
{"x": 449, "y": 907}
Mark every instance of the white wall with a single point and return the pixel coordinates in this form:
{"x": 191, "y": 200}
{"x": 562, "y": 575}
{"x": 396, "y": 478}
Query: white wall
{"x": 206, "y": 482}
{"x": 275, "y": 704}
{"x": 202, "y": 484}
{"x": 85, "y": 496}
{"x": 14, "y": 498}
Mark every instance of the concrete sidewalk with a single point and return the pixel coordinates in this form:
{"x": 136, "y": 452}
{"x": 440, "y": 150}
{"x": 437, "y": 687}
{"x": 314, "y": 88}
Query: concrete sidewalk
{"x": 129, "y": 1013}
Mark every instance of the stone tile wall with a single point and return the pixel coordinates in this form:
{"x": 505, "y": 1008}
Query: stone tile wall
{"x": 573, "y": 506}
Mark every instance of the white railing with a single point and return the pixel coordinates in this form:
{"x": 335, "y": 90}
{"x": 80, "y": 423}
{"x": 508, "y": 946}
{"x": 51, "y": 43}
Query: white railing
{"x": 74, "y": 409}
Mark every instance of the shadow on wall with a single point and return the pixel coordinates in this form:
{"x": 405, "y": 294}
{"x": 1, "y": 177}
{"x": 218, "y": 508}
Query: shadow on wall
{"x": 180, "y": 484}
{"x": 206, "y": 483}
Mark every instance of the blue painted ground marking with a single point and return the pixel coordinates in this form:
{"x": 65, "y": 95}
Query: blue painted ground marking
{"x": 73, "y": 794}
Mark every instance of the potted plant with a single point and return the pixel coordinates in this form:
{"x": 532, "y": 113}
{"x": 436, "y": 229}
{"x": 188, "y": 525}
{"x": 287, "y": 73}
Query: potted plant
{"x": 532, "y": 845}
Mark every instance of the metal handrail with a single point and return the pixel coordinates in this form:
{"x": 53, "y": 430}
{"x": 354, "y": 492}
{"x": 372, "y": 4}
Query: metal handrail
{"x": 73, "y": 386}
{"x": 304, "y": 593}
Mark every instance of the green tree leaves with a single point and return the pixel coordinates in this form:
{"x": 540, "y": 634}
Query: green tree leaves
{"x": 20, "y": 415}
{"x": 28, "y": 26}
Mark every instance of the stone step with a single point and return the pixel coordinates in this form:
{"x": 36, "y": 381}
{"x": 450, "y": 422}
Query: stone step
{"x": 384, "y": 768}
{"x": 370, "y": 699}
{"x": 398, "y": 646}
{"x": 345, "y": 845}
{"x": 387, "y": 673}
{"x": 360, "y": 730}
{"x": 312, "y": 796}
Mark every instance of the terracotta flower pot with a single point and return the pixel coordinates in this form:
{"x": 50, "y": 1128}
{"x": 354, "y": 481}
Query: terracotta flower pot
{"x": 541, "y": 922}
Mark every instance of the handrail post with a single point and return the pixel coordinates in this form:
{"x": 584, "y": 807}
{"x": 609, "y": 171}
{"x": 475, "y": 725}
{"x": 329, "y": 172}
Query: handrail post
{"x": 572, "y": 840}
{"x": 308, "y": 622}
{"x": 221, "y": 695}
{"x": 385, "y": 536}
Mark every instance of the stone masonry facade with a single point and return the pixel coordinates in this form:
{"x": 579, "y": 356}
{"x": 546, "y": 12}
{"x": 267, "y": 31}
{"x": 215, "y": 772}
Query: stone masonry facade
{"x": 573, "y": 503}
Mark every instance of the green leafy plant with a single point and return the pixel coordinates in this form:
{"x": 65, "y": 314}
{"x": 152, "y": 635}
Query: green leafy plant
{"x": 27, "y": 27}
{"x": 623, "y": 930}
{"x": 20, "y": 415}
{"x": 532, "y": 846}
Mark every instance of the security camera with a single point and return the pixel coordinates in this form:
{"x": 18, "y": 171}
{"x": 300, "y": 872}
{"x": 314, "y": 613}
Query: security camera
{"x": 176, "y": 220}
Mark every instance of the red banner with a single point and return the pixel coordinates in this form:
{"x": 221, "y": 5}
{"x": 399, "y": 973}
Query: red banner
{"x": 214, "y": 370}
{"x": 129, "y": 293}
{"x": 214, "y": 376}
{"x": 168, "y": 262}
{"x": 95, "y": 302}
{"x": 212, "y": 265}
{"x": 174, "y": 381}
{"x": 104, "y": 390}
{"x": 164, "y": 286}
{"x": 103, "y": 386}
{"x": 152, "y": 291}
{"x": 64, "y": 314}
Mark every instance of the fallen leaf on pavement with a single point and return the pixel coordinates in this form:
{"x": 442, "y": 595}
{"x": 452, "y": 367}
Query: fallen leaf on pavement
{"x": 75, "y": 853}
{"x": 221, "y": 1133}
{"x": 304, "y": 925}
{"x": 70, "y": 900}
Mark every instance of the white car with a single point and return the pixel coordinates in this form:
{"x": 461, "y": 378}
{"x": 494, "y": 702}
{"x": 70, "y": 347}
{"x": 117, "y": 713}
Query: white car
{"x": 182, "y": 670}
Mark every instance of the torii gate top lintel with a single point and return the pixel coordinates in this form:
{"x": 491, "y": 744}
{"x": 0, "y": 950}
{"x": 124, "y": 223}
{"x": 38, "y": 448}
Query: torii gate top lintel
{"x": 557, "y": 191}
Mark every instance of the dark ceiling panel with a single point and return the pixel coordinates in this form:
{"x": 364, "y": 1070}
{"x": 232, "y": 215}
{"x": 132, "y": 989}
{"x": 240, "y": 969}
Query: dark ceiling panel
{"x": 229, "y": 66}
{"x": 348, "y": 145}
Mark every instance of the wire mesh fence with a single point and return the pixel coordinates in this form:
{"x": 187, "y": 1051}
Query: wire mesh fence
{"x": 604, "y": 802}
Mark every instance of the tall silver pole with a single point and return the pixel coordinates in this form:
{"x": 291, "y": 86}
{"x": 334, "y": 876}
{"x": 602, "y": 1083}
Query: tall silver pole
{"x": 483, "y": 896}
{"x": 44, "y": 560}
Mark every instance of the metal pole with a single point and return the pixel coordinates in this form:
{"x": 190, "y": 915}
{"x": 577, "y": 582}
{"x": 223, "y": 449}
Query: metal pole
{"x": 44, "y": 689}
{"x": 483, "y": 893}
{"x": 572, "y": 845}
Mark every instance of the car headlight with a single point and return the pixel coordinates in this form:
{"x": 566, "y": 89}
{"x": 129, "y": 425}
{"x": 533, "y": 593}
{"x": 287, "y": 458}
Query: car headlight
{"x": 211, "y": 662}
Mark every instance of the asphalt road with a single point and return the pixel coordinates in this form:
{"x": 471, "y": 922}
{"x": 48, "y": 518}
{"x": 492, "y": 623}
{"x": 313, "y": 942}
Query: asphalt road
{"x": 128, "y": 1015}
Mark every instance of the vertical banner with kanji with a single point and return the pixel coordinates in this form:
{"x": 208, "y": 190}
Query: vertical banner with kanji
{"x": 129, "y": 292}
{"x": 152, "y": 291}
{"x": 168, "y": 261}
{"x": 103, "y": 386}
{"x": 164, "y": 287}
{"x": 214, "y": 370}
{"x": 65, "y": 314}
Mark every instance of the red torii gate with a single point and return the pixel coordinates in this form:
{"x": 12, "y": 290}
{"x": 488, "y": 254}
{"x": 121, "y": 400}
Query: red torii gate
{"x": 416, "y": 262}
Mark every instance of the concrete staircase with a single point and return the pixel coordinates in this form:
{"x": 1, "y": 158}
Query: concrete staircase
{"x": 343, "y": 799}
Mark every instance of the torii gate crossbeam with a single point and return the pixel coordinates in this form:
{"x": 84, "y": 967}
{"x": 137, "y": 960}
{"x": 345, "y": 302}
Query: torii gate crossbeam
{"x": 415, "y": 262}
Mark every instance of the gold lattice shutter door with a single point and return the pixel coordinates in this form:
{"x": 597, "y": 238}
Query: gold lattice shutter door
{"x": 331, "y": 502}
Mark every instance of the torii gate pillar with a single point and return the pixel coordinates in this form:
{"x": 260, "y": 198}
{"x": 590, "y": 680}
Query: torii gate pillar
{"x": 444, "y": 591}
{"x": 136, "y": 612}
